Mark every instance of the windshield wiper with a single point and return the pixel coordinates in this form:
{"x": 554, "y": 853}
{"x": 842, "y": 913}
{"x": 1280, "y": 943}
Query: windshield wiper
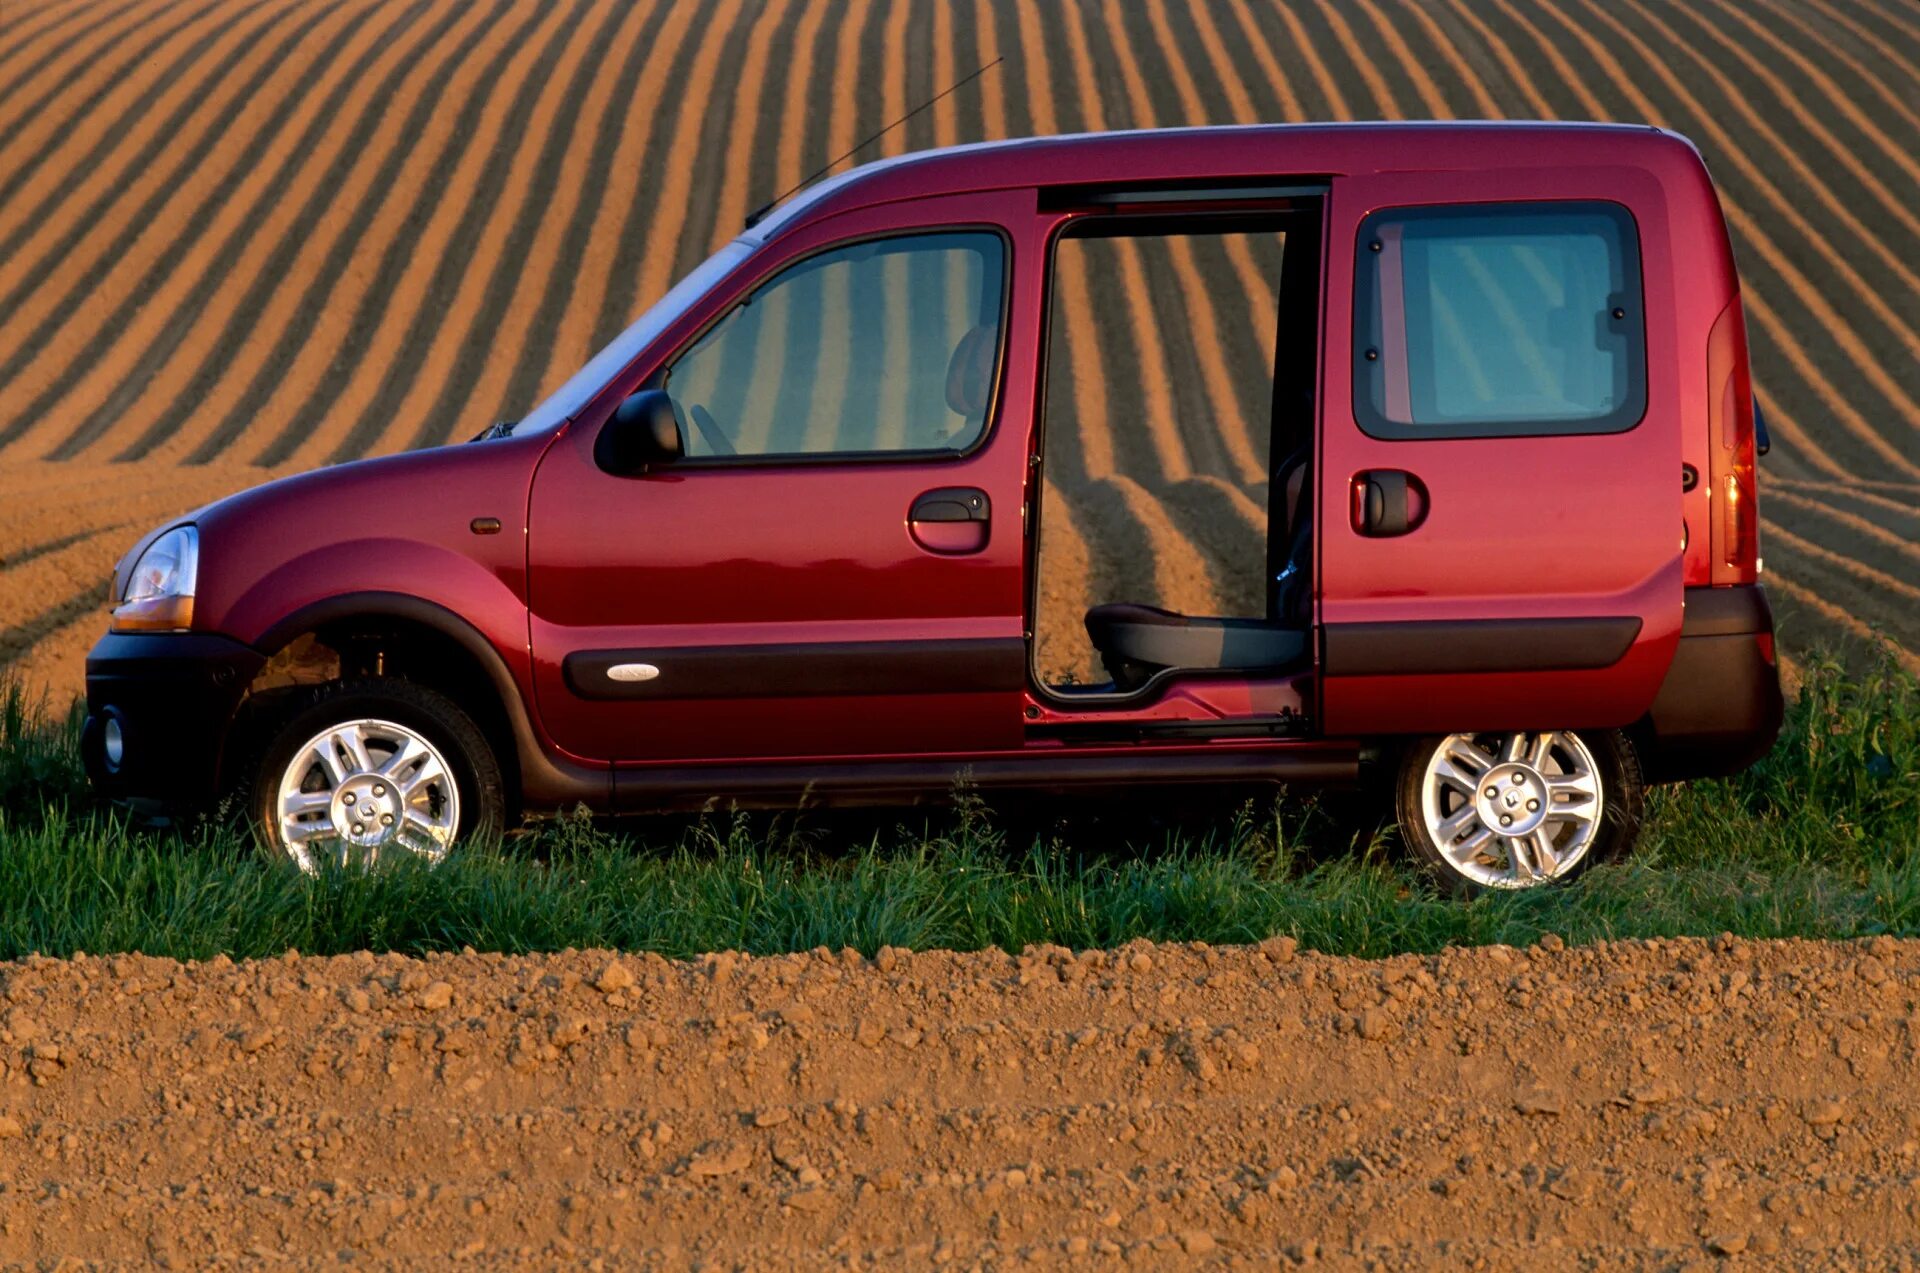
{"x": 498, "y": 429}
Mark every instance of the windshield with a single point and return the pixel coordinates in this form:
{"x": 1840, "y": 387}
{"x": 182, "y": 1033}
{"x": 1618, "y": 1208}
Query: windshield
{"x": 569, "y": 398}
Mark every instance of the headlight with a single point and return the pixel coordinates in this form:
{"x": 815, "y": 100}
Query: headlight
{"x": 159, "y": 591}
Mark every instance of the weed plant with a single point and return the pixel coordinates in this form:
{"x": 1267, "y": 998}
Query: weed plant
{"x": 1820, "y": 839}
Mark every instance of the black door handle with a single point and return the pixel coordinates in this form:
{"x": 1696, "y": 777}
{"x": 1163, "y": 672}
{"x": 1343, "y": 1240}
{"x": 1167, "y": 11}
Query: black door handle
{"x": 1387, "y": 502}
{"x": 951, "y": 520}
{"x": 952, "y": 504}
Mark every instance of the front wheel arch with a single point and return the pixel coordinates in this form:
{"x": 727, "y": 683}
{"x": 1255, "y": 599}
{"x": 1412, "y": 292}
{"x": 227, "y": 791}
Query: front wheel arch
{"x": 375, "y": 635}
{"x": 543, "y": 779}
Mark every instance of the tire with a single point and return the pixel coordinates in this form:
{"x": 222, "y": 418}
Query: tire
{"x": 446, "y": 787}
{"x": 1587, "y": 785}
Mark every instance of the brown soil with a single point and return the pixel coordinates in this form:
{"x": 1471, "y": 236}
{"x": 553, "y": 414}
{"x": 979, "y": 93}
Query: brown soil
{"x": 1638, "y": 1105}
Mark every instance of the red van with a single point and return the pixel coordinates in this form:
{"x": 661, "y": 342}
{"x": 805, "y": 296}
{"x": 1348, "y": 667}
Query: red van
{"x": 783, "y": 536}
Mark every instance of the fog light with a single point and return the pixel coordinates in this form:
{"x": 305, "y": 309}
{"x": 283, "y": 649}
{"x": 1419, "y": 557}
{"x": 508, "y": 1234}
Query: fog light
{"x": 113, "y": 744}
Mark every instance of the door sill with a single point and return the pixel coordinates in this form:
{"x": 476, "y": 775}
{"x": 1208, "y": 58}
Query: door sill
{"x": 1282, "y": 725}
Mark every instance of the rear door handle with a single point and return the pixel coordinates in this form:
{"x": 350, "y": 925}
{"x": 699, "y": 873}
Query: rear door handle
{"x": 1387, "y": 502}
{"x": 951, "y": 520}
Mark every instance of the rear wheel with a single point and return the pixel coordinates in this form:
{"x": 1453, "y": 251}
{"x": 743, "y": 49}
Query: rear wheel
{"x": 376, "y": 767}
{"x": 1519, "y": 810}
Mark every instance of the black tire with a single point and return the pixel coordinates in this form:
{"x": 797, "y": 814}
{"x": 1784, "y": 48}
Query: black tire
{"x": 432, "y": 715}
{"x": 1623, "y": 806}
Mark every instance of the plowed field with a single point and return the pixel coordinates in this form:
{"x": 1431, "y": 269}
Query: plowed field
{"x": 239, "y": 236}
{"x": 1623, "y": 1106}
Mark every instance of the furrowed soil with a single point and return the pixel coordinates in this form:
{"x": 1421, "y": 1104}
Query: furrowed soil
{"x": 241, "y": 239}
{"x": 1625, "y": 1105}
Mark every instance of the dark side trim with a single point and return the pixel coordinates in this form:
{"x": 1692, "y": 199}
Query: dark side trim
{"x": 670, "y": 787}
{"x": 805, "y": 669}
{"x": 1426, "y": 646}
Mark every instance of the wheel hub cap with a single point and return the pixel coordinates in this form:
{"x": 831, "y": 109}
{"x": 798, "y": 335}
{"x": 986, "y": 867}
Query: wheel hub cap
{"x": 1513, "y": 798}
{"x": 366, "y": 810}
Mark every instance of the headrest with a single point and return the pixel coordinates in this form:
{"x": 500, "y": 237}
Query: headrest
{"x": 970, "y": 372}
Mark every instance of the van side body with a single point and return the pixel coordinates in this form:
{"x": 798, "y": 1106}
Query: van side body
{"x": 711, "y": 627}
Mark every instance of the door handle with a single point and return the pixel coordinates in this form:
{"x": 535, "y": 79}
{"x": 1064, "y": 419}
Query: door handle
{"x": 952, "y": 504}
{"x": 951, "y": 520}
{"x": 1387, "y": 502}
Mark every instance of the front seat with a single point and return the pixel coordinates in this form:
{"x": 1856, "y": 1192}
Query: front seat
{"x": 970, "y": 377}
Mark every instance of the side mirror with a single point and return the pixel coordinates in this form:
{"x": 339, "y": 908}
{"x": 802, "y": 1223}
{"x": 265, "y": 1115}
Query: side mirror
{"x": 642, "y": 431}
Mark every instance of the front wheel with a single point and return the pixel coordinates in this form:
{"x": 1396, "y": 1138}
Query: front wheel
{"x": 1519, "y": 810}
{"x": 372, "y": 767}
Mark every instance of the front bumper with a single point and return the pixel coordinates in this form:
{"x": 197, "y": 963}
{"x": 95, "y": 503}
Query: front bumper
{"x": 173, "y": 695}
{"x": 1720, "y": 708}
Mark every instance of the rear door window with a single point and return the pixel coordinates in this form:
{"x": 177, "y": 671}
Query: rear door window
{"x": 1498, "y": 320}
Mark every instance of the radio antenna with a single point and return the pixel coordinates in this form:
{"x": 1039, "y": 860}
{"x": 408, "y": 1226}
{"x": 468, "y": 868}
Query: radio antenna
{"x": 754, "y": 217}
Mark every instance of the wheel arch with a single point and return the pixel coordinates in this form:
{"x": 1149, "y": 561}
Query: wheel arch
{"x": 399, "y": 634}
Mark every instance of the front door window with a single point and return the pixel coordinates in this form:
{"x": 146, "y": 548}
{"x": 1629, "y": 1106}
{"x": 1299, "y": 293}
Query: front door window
{"x": 884, "y": 347}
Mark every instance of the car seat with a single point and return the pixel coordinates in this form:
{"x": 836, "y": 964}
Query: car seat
{"x": 970, "y": 377}
{"x": 1136, "y": 641}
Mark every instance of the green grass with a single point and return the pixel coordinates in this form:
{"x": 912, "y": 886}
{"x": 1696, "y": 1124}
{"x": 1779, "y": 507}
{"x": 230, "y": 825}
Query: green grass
{"x": 1822, "y": 839}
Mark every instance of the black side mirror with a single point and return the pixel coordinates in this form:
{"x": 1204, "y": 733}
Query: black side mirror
{"x": 642, "y": 431}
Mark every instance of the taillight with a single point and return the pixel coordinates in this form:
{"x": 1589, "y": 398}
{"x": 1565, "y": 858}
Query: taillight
{"x": 1734, "y": 526}
{"x": 1739, "y": 532}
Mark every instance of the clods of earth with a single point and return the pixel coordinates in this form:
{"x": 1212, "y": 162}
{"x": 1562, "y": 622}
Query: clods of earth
{"x": 1643, "y": 1104}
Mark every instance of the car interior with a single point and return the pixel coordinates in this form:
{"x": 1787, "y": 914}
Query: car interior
{"x": 1222, "y": 307}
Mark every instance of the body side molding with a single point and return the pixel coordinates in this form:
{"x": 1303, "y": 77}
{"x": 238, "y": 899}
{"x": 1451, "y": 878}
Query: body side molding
{"x": 1478, "y": 645}
{"x": 801, "y": 669}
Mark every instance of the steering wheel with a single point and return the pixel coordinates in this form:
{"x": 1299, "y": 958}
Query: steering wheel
{"x": 703, "y": 421}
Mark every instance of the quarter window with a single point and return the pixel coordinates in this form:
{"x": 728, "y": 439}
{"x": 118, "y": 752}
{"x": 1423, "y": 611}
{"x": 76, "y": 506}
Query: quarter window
{"x": 879, "y": 347}
{"x": 1497, "y": 320}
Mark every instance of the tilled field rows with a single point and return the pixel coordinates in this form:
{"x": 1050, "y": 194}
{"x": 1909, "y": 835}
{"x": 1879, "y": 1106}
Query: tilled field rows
{"x": 264, "y": 234}
{"x": 1631, "y": 1105}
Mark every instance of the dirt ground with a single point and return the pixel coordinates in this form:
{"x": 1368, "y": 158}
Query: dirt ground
{"x": 1631, "y": 1105}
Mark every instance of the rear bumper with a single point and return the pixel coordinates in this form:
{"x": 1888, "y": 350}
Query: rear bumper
{"x": 1720, "y": 708}
{"x": 173, "y": 696}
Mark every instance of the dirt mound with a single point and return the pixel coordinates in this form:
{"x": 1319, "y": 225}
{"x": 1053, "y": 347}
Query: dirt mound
{"x": 1635, "y": 1104}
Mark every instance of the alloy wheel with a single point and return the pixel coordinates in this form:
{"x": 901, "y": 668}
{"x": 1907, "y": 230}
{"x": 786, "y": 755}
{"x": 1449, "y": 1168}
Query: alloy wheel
{"x": 362, "y": 787}
{"x": 1512, "y": 810}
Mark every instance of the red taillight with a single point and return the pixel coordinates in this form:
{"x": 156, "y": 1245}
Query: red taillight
{"x": 1739, "y": 529}
{"x": 1735, "y": 523}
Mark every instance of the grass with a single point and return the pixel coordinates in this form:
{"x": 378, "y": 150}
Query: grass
{"x": 1821, "y": 839}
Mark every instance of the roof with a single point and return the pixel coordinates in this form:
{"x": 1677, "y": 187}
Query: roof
{"x": 1226, "y": 153}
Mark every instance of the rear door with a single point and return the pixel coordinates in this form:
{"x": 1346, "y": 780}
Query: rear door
{"x": 1500, "y": 532}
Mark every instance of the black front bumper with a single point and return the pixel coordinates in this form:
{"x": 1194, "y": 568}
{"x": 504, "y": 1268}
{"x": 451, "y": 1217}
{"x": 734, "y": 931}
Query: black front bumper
{"x": 174, "y": 695}
{"x": 1720, "y": 708}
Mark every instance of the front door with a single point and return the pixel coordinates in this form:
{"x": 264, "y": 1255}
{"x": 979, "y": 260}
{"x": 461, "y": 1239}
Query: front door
{"x": 1499, "y": 485}
{"x": 833, "y": 567}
